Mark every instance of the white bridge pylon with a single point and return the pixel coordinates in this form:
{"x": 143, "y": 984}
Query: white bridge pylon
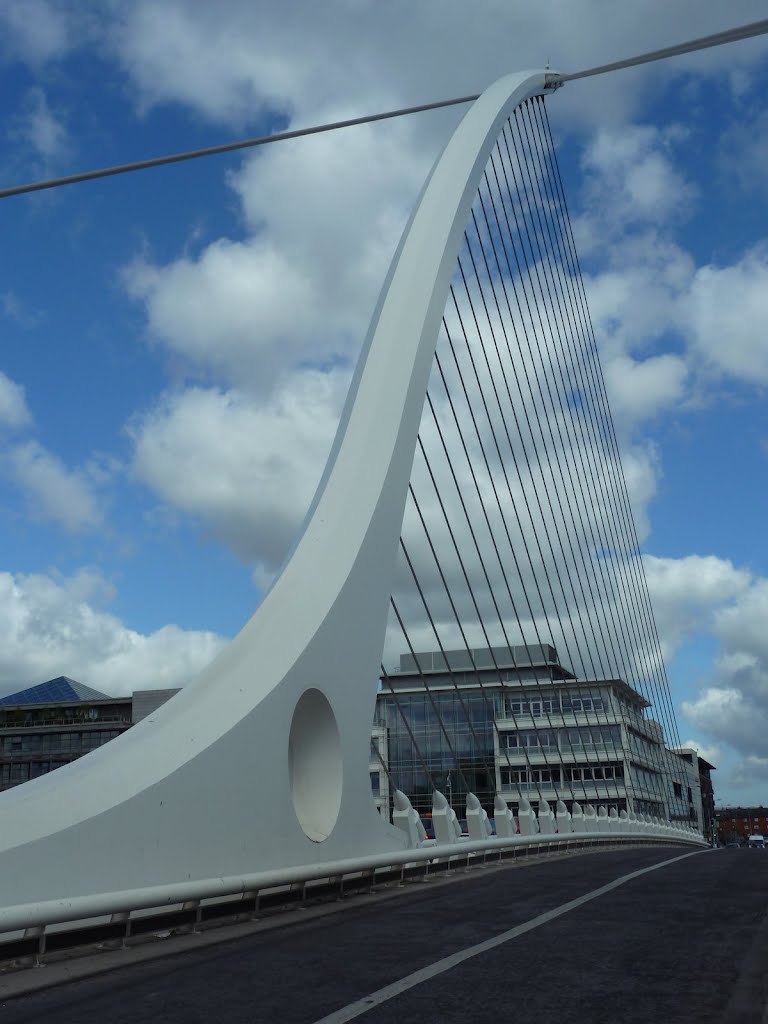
{"x": 261, "y": 762}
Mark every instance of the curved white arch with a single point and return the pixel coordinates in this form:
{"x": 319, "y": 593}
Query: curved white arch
{"x": 207, "y": 785}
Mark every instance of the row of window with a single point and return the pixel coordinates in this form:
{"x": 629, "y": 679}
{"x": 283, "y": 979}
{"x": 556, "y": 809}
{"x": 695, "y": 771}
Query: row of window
{"x": 57, "y": 742}
{"x": 620, "y": 804}
{"x": 640, "y": 745}
{"x": 565, "y": 739}
{"x": 12, "y": 774}
{"x": 649, "y": 807}
{"x": 645, "y": 778}
{"x": 586, "y": 773}
{"x": 678, "y": 790}
{"x": 552, "y": 704}
{"x": 64, "y": 715}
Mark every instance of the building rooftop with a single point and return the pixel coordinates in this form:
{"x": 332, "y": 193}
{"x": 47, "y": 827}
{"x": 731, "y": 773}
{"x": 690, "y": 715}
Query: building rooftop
{"x": 60, "y": 690}
{"x": 688, "y": 753}
{"x": 520, "y": 656}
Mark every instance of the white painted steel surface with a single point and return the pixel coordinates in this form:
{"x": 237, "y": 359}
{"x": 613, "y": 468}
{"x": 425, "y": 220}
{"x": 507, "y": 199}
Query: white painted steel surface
{"x": 203, "y": 787}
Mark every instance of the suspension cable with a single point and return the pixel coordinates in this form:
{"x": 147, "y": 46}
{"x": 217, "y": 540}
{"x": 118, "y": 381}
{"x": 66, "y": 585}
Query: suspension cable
{"x": 554, "y": 80}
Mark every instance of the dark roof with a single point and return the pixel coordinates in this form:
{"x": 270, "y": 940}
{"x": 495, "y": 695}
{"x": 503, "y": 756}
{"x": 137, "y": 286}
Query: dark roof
{"x": 55, "y": 691}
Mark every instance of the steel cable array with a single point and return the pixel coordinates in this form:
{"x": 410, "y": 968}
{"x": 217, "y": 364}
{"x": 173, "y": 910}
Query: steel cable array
{"x": 518, "y": 533}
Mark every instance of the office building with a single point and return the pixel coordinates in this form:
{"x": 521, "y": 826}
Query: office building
{"x": 519, "y": 723}
{"x": 49, "y": 725}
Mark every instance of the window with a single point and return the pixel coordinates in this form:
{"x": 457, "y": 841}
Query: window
{"x": 522, "y": 706}
{"x": 529, "y": 777}
{"x": 676, "y": 786}
{"x": 595, "y": 773}
{"x": 376, "y": 783}
{"x": 529, "y": 740}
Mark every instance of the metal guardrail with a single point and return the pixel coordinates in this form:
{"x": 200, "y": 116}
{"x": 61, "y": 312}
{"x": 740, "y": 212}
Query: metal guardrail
{"x": 181, "y": 906}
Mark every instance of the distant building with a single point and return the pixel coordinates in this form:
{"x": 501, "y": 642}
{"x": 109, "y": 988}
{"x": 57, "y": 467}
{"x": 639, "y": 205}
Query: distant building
{"x": 741, "y": 822}
{"x": 692, "y": 799}
{"x": 519, "y": 723}
{"x": 49, "y": 725}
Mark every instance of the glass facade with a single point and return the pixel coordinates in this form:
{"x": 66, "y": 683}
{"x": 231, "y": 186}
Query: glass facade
{"x": 27, "y": 755}
{"x": 39, "y": 735}
{"x": 482, "y": 732}
{"x": 461, "y": 761}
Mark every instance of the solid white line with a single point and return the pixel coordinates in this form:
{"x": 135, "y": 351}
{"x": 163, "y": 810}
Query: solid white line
{"x": 359, "y": 1007}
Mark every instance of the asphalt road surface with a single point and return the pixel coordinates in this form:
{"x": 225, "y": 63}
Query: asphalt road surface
{"x": 685, "y": 942}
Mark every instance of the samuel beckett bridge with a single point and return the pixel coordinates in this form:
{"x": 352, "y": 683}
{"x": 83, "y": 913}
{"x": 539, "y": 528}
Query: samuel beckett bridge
{"x": 458, "y": 667}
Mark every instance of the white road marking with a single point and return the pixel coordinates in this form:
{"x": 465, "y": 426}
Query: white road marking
{"x": 368, "y": 1002}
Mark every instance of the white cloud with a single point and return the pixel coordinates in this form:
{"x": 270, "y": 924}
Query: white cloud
{"x": 726, "y": 312}
{"x": 710, "y": 753}
{"x": 245, "y": 470}
{"x": 54, "y": 492}
{"x": 298, "y": 59}
{"x": 722, "y": 711}
{"x": 687, "y": 593}
{"x": 35, "y": 30}
{"x": 631, "y": 177}
{"x": 642, "y": 470}
{"x": 53, "y": 625}
{"x": 14, "y": 413}
{"x": 300, "y": 289}
{"x": 641, "y": 389}
{"x": 734, "y": 707}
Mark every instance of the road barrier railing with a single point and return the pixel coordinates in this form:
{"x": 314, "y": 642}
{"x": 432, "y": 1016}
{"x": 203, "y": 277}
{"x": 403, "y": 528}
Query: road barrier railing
{"x": 30, "y": 932}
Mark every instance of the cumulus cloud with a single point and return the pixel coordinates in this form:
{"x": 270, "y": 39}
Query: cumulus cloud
{"x": 734, "y": 706}
{"x": 710, "y": 753}
{"x": 233, "y": 68}
{"x": 54, "y": 492}
{"x": 54, "y": 625}
{"x": 725, "y": 314}
{"x": 688, "y": 593}
{"x": 302, "y": 286}
{"x": 632, "y": 178}
{"x": 244, "y": 469}
{"x": 640, "y": 389}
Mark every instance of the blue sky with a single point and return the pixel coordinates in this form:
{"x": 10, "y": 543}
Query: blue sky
{"x": 176, "y": 344}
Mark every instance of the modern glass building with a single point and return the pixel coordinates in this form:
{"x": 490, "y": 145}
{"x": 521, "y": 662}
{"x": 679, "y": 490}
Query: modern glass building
{"x": 49, "y": 725}
{"x": 515, "y": 721}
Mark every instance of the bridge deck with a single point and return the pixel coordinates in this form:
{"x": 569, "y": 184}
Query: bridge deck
{"x": 686, "y": 942}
